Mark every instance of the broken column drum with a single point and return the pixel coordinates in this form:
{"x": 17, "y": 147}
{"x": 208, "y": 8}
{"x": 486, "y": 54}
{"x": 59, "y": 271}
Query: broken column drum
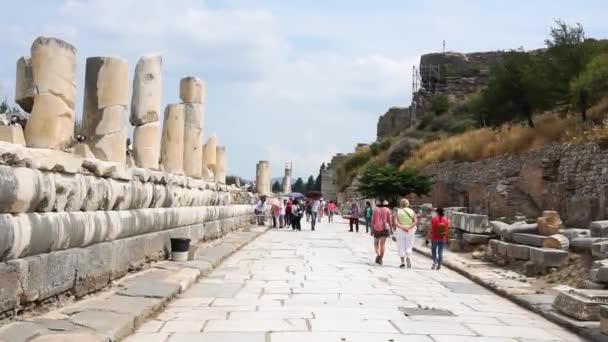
{"x": 210, "y": 156}
{"x": 192, "y": 93}
{"x": 53, "y": 68}
{"x": 106, "y": 93}
{"x": 172, "y": 142}
{"x": 145, "y": 112}
{"x": 24, "y": 84}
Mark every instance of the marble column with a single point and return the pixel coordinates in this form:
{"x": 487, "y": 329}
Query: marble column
{"x": 192, "y": 93}
{"x": 106, "y": 93}
{"x": 145, "y": 111}
{"x": 286, "y": 186}
{"x": 172, "y": 142}
{"x": 220, "y": 165}
{"x": 53, "y": 69}
{"x": 210, "y": 157}
{"x": 262, "y": 177}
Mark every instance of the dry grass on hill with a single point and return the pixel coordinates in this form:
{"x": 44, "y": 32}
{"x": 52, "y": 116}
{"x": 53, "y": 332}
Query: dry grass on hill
{"x": 484, "y": 143}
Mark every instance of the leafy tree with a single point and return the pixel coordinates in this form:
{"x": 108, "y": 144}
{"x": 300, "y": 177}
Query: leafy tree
{"x": 276, "y": 187}
{"x": 440, "y": 104}
{"x": 298, "y": 186}
{"x": 518, "y": 88}
{"x": 231, "y": 180}
{"x": 77, "y": 127}
{"x": 591, "y": 85}
{"x": 318, "y": 183}
{"x": 388, "y": 182}
{"x": 310, "y": 184}
{"x": 7, "y": 108}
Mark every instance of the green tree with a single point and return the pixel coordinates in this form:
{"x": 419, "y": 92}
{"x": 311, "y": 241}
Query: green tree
{"x": 310, "y": 183}
{"x": 591, "y": 85}
{"x": 276, "y": 187}
{"x": 231, "y": 180}
{"x": 440, "y": 104}
{"x": 388, "y": 182}
{"x": 518, "y": 88}
{"x": 298, "y": 186}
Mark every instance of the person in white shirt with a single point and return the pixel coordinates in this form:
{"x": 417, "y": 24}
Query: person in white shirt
{"x": 282, "y": 214}
{"x": 314, "y": 213}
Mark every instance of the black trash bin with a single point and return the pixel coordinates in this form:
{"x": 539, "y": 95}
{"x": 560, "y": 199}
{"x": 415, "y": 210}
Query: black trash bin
{"x": 179, "y": 249}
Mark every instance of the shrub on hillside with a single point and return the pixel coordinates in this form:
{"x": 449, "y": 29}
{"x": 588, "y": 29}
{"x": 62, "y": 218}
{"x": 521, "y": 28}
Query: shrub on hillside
{"x": 378, "y": 147}
{"x": 591, "y": 85}
{"x": 425, "y": 120}
{"x": 439, "y": 104}
{"x": 401, "y": 150}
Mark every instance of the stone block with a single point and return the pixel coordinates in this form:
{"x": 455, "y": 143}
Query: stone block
{"x": 471, "y": 223}
{"x": 601, "y": 274}
{"x": 25, "y": 90}
{"x": 83, "y": 151}
{"x": 172, "y": 142}
{"x": 599, "y": 229}
{"x": 600, "y": 249}
{"x": 94, "y": 268}
{"x": 581, "y": 304}
{"x": 21, "y": 331}
{"x": 51, "y": 124}
{"x": 604, "y": 319}
{"x": 12, "y": 275}
{"x": 110, "y": 147}
{"x": 518, "y": 252}
{"x": 49, "y": 274}
{"x": 53, "y": 64}
{"x": 476, "y": 239}
{"x": 583, "y": 244}
{"x": 106, "y": 84}
{"x": 548, "y": 257}
{"x": 147, "y": 87}
{"x": 529, "y": 239}
{"x": 572, "y": 233}
{"x": 192, "y": 90}
{"x": 12, "y": 134}
{"x": 146, "y": 145}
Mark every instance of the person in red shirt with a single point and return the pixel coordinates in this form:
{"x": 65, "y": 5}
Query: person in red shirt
{"x": 438, "y": 234}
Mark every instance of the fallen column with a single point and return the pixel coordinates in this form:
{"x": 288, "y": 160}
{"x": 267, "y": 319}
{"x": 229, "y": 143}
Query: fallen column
{"x": 106, "y": 92}
{"x": 53, "y": 67}
{"x": 145, "y": 112}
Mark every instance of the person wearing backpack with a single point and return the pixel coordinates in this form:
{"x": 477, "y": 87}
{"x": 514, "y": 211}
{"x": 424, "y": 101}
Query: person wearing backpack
{"x": 438, "y": 234}
{"x": 406, "y": 223}
{"x": 381, "y": 227}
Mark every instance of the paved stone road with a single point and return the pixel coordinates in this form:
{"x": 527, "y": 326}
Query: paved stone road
{"x": 323, "y": 286}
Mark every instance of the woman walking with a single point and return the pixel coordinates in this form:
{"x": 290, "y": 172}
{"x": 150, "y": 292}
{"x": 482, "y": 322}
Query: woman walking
{"x": 381, "y": 225}
{"x": 297, "y": 214}
{"x": 331, "y": 208}
{"x": 405, "y": 231}
{"x": 438, "y": 235}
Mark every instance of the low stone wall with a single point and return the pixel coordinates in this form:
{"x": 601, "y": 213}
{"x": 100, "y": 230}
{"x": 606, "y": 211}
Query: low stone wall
{"x": 570, "y": 179}
{"x": 71, "y": 225}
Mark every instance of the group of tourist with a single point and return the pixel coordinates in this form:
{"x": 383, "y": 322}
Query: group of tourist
{"x": 289, "y": 212}
{"x": 401, "y": 225}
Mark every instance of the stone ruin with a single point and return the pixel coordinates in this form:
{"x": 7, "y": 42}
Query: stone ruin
{"x": 74, "y": 214}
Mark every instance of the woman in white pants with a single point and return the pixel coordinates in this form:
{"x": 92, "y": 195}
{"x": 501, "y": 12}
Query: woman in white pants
{"x": 405, "y": 232}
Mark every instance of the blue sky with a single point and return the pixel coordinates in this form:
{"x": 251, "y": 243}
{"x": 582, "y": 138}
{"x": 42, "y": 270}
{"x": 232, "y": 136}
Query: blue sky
{"x": 286, "y": 80}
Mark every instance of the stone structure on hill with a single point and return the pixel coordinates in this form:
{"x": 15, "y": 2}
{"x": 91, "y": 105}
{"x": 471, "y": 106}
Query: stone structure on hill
{"x": 452, "y": 74}
{"x": 329, "y": 188}
{"x": 74, "y": 215}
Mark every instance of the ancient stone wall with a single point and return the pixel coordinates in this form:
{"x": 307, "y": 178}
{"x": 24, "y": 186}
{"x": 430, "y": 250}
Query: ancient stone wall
{"x": 570, "y": 179}
{"x": 76, "y": 214}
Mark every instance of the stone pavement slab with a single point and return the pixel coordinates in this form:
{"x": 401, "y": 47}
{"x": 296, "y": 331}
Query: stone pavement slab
{"x": 322, "y": 286}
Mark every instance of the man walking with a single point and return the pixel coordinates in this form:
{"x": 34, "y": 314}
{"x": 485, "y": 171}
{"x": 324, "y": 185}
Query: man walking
{"x": 354, "y": 216}
{"x": 314, "y": 213}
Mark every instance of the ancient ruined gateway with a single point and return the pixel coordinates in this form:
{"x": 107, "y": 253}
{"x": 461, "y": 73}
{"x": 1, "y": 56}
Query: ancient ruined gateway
{"x": 77, "y": 214}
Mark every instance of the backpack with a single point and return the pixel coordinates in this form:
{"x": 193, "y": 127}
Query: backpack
{"x": 442, "y": 228}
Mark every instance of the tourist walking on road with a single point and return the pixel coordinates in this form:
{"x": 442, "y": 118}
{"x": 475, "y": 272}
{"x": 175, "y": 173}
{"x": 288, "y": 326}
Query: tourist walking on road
{"x": 438, "y": 235}
{"x": 288, "y": 216}
{"x": 331, "y": 208}
{"x": 367, "y": 213}
{"x": 308, "y": 210}
{"x": 321, "y": 209}
{"x": 405, "y": 232}
{"x": 314, "y": 213}
{"x": 282, "y": 214}
{"x": 381, "y": 225}
{"x": 260, "y": 210}
{"x": 297, "y": 212}
{"x": 276, "y": 213}
{"x": 354, "y": 216}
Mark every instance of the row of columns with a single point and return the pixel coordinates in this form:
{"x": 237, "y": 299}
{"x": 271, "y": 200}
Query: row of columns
{"x": 46, "y": 88}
